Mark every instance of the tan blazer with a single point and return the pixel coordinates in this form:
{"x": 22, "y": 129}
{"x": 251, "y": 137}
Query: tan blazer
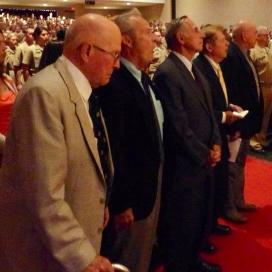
{"x": 52, "y": 190}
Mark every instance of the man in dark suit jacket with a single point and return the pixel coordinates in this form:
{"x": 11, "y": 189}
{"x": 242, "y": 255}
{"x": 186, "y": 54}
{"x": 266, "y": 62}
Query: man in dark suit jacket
{"x": 192, "y": 147}
{"x": 134, "y": 120}
{"x": 244, "y": 90}
{"x": 214, "y": 51}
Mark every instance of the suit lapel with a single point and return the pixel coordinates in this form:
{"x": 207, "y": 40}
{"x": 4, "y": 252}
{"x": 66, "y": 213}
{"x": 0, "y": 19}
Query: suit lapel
{"x": 140, "y": 97}
{"x": 191, "y": 82}
{"x": 81, "y": 113}
{"x": 246, "y": 65}
{"x": 206, "y": 91}
{"x": 212, "y": 76}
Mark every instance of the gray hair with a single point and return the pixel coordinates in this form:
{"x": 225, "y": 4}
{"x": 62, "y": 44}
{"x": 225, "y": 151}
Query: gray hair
{"x": 124, "y": 21}
{"x": 171, "y": 37}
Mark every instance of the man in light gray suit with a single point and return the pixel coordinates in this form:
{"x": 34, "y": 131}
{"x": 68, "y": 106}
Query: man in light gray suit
{"x": 53, "y": 184}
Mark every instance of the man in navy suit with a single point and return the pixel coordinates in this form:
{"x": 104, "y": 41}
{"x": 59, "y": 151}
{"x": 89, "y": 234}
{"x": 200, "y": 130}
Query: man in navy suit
{"x": 134, "y": 119}
{"x": 244, "y": 90}
{"x": 208, "y": 61}
{"x": 192, "y": 148}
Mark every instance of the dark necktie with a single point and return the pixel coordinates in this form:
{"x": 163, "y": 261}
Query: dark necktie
{"x": 145, "y": 83}
{"x": 198, "y": 81}
{"x": 100, "y": 134}
{"x": 196, "y": 76}
{"x": 145, "y": 80}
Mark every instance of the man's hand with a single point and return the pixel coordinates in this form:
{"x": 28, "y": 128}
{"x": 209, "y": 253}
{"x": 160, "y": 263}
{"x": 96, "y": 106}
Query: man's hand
{"x": 124, "y": 219}
{"x": 214, "y": 155}
{"x": 217, "y": 148}
{"x": 99, "y": 264}
{"x": 235, "y": 108}
{"x": 230, "y": 117}
{"x": 106, "y": 217}
{"x": 217, "y": 153}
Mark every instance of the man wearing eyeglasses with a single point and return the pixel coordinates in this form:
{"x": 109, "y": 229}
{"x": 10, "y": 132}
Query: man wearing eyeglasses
{"x": 53, "y": 192}
{"x": 134, "y": 120}
{"x": 192, "y": 148}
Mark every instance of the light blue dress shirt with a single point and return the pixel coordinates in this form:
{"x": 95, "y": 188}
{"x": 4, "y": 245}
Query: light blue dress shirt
{"x": 157, "y": 104}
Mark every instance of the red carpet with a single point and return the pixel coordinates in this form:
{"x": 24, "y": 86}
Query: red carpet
{"x": 249, "y": 247}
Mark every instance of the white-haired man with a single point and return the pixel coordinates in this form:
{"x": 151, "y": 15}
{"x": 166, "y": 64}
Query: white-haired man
{"x": 244, "y": 90}
{"x": 53, "y": 180}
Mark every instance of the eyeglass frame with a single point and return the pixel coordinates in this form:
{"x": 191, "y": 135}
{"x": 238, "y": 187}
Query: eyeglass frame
{"x": 115, "y": 55}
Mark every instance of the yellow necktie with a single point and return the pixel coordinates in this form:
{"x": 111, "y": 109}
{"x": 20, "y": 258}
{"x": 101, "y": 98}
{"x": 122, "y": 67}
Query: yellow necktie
{"x": 222, "y": 82}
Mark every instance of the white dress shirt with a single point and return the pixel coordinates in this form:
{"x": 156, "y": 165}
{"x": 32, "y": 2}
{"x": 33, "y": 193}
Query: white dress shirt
{"x": 186, "y": 62}
{"x": 82, "y": 83}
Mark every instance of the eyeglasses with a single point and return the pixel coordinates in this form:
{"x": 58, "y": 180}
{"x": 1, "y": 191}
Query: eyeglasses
{"x": 115, "y": 55}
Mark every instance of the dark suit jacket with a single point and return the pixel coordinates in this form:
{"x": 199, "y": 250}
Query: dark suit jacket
{"x": 219, "y": 102}
{"x": 242, "y": 89}
{"x": 135, "y": 144}
{"x": 190, "y": 127}
{"x": 50, "y": 54}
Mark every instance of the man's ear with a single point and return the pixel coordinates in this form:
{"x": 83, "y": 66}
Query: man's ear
{"x": 127, "y": 41}
{"x": 180, "y": 38}
{"x": 244, "y": 36}
{"x": 208, "y": 47}
{"x": 85, "y": 51}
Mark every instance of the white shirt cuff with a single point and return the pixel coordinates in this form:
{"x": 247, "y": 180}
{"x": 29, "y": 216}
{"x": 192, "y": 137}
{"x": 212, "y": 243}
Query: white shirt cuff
{"x": 224, "y": 117}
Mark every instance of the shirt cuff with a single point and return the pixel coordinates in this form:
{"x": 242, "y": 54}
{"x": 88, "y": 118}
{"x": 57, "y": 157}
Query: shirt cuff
{"x": 224, "y": 117}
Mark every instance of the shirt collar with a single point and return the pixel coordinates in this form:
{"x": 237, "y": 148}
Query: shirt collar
{"x": 132, "y": 69}
{"x": 214, "y": 64}
{"x": 185, "y": 61}
{"x": 81, "y": 82}
{"x": 243, "y": 50}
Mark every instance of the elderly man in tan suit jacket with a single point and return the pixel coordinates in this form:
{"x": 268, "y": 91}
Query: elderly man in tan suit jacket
{"x": 53, "y": 187}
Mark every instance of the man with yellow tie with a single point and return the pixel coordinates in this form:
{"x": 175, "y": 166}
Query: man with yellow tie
{"x": 208, "y": 61}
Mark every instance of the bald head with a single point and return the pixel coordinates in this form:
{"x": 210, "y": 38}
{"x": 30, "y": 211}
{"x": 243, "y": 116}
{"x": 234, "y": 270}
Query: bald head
{"x": 89, "y": 28}
{"x": 93, "y": 45}
{"x": 244, "y": 34}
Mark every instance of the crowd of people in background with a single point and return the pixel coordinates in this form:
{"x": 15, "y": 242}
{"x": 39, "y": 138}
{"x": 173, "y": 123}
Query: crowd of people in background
{"x": 172, "y": 107}
{"x": 28, "y": 45}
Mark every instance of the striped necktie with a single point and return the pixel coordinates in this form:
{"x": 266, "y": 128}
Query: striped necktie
{"x": 100, "y": 134}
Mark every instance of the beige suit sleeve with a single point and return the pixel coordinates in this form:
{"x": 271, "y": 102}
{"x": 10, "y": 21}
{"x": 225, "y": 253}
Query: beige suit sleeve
{"x": 43, "y": 173}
